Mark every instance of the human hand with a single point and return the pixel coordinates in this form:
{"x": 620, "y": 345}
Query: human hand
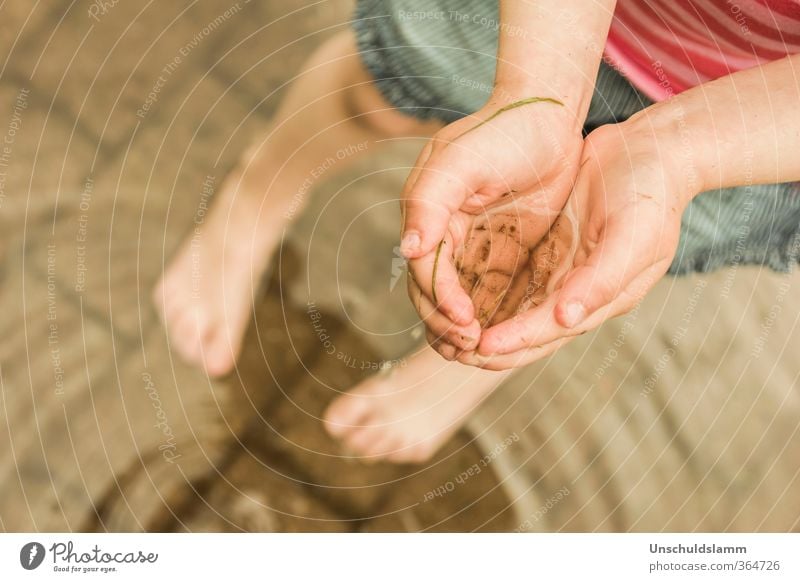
{"x": 617, "y": 236}
{"x": 526, "y": 150}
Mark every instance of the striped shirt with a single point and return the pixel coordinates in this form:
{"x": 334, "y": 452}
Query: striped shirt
{"x": 667, "y": 46}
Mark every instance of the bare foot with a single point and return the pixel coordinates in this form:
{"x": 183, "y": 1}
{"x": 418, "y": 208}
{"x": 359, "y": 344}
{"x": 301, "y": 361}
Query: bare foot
{"x": 406, "y": 414}
{"x": 205, "y": 296}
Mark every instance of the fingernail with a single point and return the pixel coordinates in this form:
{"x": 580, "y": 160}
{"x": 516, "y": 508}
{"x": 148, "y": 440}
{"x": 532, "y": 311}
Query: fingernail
{"x": 574, "y": 314}
{"x": 458, "y": 316}
{"x": 411, "y": 243}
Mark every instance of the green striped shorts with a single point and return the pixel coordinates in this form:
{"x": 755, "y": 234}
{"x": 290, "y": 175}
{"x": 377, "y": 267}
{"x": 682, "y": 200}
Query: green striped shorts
{"x": 435, "y": 59}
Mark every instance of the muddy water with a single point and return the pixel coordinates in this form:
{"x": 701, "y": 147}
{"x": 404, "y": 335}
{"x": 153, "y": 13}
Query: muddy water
{"x": 513, "y": 259}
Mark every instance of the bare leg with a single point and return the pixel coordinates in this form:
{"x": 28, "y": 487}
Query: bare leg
{"x": 407, "y": 414}
{"x": 206, "y": 295}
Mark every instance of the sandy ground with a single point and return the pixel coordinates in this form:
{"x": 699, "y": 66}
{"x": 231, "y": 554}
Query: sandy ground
{"x": 683, "y": 415}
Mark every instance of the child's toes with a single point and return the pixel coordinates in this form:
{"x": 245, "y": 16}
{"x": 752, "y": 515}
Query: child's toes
{"x": 379, "y": 448}
{"x": 345, "y": 414}
{"x": 360, "y": 441}
{"x": 218, "y": 356}
{"x": 411, "y": 454}
{"x": 382, "y": 447}
{"x": 184, "y": 333}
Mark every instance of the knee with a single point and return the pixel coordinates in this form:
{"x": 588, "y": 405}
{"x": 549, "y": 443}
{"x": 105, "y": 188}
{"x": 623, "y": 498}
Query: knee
{"x": 367, "y": 107}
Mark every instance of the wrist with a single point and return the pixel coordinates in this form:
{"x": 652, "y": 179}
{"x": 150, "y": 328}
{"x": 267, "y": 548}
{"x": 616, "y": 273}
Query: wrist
{"x": 570, "y": 102}
{"x": 570, "y": 82}
{"x": 663, "y": 131}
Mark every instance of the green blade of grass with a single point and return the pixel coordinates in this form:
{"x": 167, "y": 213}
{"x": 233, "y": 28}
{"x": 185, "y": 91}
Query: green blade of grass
{"x": 433, "y": 275}
{"x": 514, "y": 105}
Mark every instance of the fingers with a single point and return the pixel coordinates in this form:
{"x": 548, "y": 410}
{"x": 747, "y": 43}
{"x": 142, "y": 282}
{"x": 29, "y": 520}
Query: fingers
{"x": 535, "y": 327}
{"x": 438, "y": 191}
{"x": 436, "y": 277}
{"x": 446, "y": 350}
{"x": 528, "y": 354}
{"x": 539, "y": 326}
{"x": 624, "y": 252}
{"x": 440, "y": 328}
{"x": 513, "y": 360}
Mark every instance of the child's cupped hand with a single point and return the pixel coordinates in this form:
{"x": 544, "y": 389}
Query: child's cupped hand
{"x": 514, "y": 154}
{"x": 613, "y": 241}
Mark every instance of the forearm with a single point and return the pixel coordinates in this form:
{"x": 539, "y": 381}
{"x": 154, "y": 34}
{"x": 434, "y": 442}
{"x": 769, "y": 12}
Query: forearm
{"x": 738, "y": 130}
{"x": 552, "y": 47}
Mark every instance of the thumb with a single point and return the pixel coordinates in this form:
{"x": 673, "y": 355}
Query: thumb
{"x": 610, "y": 268}
{"x": 429, "y": 203}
